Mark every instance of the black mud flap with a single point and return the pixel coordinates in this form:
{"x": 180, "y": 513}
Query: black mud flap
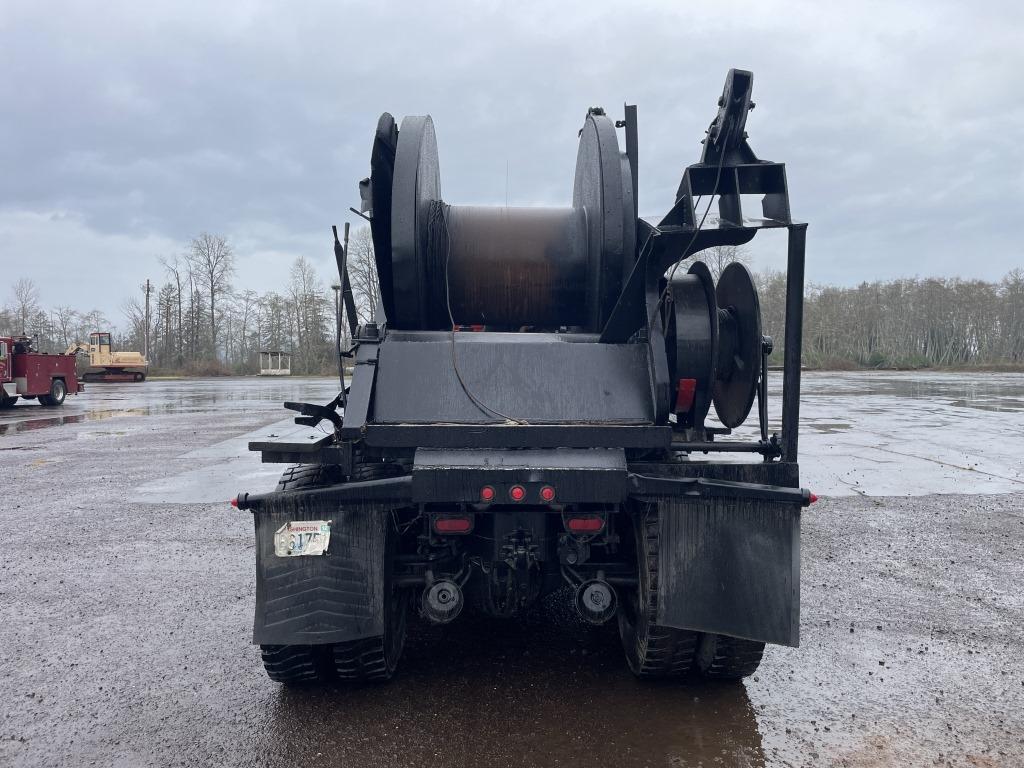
{"x": 328, "y": 598}
{"x": 731, "y": 566}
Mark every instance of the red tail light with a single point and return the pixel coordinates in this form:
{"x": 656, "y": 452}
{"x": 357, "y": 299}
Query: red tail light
{"x": 547, "y": 493}
{"x": 487, "y": 493}
{"x": 451, "y": 525}
{"x": 585, "y": 524}
{"x": 517, "y": 493}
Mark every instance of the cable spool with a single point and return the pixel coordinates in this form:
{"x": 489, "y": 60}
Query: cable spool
{"x": 739, "y": 346}
{"x": 692, "y": 333}
{"x": 502, "y": 267}
{"x": 713, "y": 338}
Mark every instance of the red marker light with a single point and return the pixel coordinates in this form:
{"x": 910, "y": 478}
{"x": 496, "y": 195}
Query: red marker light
{"x": 589, "y": 524}
{"x": 812, "y": 498}
{"x": 517, "y": 493}
{"x": 449, "y": 525}
{"x": 234, "y": 502}
{"x": 547, "y": 493}
{"x": 487, "y": 493}
{"x": 686, "y": 389}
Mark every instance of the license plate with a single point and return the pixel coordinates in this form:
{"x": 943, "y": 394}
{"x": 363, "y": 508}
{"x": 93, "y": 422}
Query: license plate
{"x": 302, "y": 537}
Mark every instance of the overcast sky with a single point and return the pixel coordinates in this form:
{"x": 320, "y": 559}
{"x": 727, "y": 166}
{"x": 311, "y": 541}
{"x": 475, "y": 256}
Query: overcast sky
{"x": 126, "y": 128}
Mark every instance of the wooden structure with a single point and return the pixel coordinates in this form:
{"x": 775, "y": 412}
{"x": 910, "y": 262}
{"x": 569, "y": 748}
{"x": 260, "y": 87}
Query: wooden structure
{"x": 275, "y": 363}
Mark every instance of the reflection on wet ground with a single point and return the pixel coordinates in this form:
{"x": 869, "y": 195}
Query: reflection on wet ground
{"x": 470, "y": 694}
{"x": 164, "y": 397}
{"x": 863, "y": 433}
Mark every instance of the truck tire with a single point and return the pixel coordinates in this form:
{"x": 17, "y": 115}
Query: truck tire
{"x": 652, "y": 651}
{"x": 366, "y": 660}
{"x": 375, "y": 659}
{"x": 297, "y": 664}
{"x": 58, "y": 391}
{"x": 8, "y": 402}
{"x": 721, "y": 657}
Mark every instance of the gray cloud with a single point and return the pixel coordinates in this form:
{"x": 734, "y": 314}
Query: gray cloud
{"x": 130, "y": 129}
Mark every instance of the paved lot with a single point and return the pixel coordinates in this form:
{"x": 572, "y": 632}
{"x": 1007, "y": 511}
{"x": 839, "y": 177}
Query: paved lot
{"x": 126, "y": 592}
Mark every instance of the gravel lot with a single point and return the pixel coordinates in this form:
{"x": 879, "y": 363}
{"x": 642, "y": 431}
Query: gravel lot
{"x": 126, "y": 589}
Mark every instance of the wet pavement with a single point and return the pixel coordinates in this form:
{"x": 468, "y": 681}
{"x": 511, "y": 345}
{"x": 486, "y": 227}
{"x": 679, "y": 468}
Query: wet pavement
{"x": 126, "y": 589}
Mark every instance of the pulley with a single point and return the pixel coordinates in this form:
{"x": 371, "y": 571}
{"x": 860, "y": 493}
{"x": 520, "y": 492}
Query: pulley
{"x": 713, "y": 338}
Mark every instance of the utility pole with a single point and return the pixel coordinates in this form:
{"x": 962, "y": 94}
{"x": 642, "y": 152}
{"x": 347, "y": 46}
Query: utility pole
{"x": 146, "y": 334}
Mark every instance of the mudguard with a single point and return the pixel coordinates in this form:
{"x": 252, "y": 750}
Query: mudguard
{"x": 731, "y": 566}
{"x": 329, "y": 598}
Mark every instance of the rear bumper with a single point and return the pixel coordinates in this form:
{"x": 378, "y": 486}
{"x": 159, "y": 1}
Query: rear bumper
{"x": 729, "y": 549}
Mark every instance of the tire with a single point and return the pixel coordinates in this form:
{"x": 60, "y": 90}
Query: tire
{"x": 308, "y": 476}
{"x": 58, "y": 391}
{"x": 375, "y": 659}
{"x": 652, "y": 651}
{"x": 721, "y": 657}
{"x": 372, "y": 659}
{"x": 8, "y": 402}
{"x": 297, "y": 664}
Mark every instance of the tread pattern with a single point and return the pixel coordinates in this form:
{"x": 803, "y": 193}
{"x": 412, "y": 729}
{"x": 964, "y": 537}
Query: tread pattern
{"x": 308, "y": 475}
{"x": 296, "y": 664}
{"x": 362, "y": 661}
{"x": 728, "y": 658}
{"x": 657, "y": 651}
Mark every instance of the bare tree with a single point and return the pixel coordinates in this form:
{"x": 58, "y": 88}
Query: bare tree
{"x": 66, "y": 317}
{"x": 173, "y": 268}
{"x": 26, "y": 302}
{"x": 720, "y": 256}
{"x": 213, "y": 261}
{"x": 362, "y": 270}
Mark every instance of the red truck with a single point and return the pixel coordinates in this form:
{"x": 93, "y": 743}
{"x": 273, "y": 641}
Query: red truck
{"x": 28, "y": 374}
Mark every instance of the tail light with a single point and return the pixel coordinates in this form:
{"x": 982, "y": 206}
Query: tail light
{"x": 584, "y": 523}
{"x": 487, "y": 493}
{"x": 547, "y": 493}
{"x": 453, "y": 524}
{"x": 517, "y": 493}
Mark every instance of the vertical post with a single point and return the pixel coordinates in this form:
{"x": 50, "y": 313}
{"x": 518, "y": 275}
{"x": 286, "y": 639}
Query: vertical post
{"x": 632, "y": 152}
{"x": 794, "y": 341}
{"x": 145, "y": 342}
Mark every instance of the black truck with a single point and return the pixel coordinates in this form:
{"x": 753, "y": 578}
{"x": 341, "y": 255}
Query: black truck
{"x": 529, "y": 410}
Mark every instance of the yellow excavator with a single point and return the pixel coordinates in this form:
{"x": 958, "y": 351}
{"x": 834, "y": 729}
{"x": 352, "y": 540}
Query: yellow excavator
{"x": 106, "y": 365}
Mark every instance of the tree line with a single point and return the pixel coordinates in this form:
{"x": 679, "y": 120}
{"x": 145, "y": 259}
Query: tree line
{"x": 930, "y": 322}
{"x": 201, "y": 323}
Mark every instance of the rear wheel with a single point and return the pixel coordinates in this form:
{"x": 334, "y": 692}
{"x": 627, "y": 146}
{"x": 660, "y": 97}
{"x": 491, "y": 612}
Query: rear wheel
{"x": 58, "y": 391}
{"x": 728, "y": 658}
{"x": 652, "y": 651}
{"x": 8, "y": 402}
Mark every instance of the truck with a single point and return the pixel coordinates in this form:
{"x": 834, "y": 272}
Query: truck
{"x": 107, "y": 365}
{"x": 27, "y": 374}
{"x": 529, "y": 414}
